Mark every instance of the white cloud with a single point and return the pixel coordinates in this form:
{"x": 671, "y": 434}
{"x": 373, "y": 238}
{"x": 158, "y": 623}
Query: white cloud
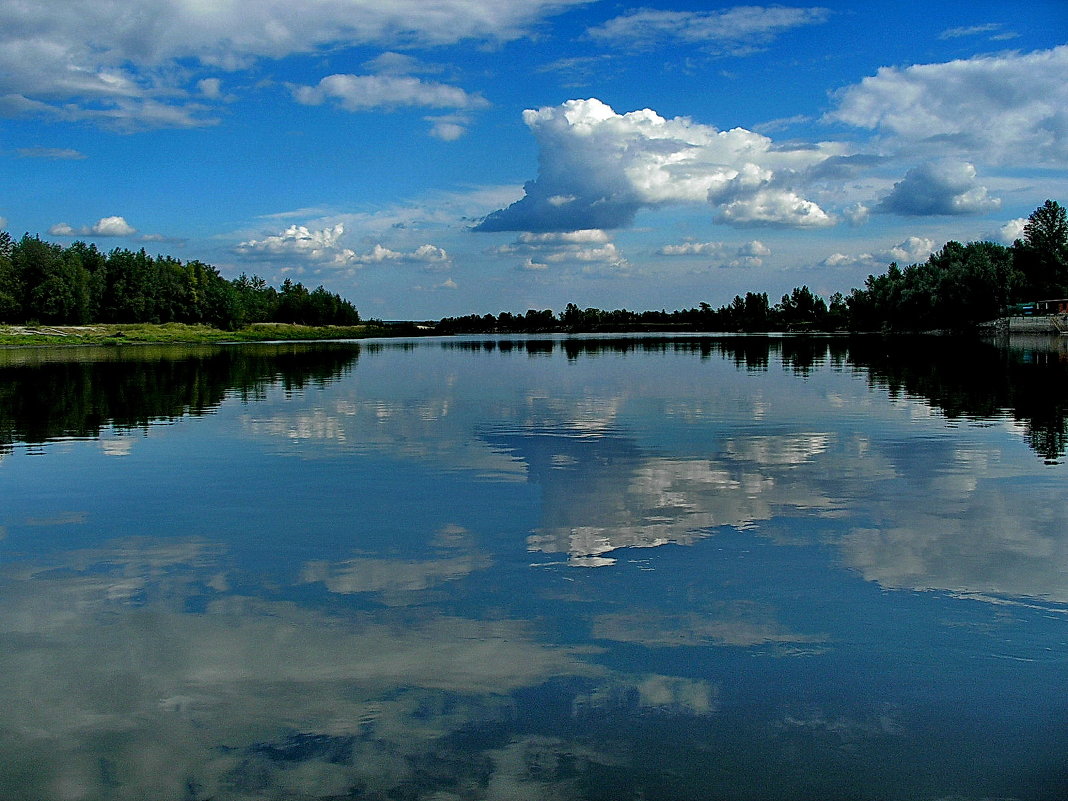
{"x": 365, "y": 92}
{"x": 210, "y": 87}
{"x": 942, "y": 188}
{"x": 587, "y": 248}
{"x": 749, "y": 254}
{"x": 1010, "y": 109}
{"x": 324, "y": 247}
{"x": 585, "y": 236}
{"x": 857, "y": 213}
{"x": 1010, "y": 231}
{"x": 105, "y": 226}
{"x": 913, "y": 250}
{"x": 598, "y": 168}
{"x": 843, "y": 260}
{"x": 695, "y": 249}
{"x": 401, "y": 225}
{"x": 51, "y": 153}
{"x": 448, "y": 128}
{"x": 775, "y": 207}
{"x": 137, "y": 63}
{"x": 391, "y": 63}
{"x": 113, "y": 226}
{"x": 972, "y": 30}
{"x": 735, "y": 31}
{"x": 298, "y": 240}
{"x": 754, "y": 248}
{"x": 607, "y": 253}
{"x": 447, "y": 131}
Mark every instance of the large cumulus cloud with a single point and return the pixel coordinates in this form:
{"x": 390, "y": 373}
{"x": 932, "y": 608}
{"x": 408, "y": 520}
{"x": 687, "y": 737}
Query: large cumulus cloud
{"x": 598, "y": 168}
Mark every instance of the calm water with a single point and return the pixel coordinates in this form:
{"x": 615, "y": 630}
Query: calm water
{"x": 674, "y": 568}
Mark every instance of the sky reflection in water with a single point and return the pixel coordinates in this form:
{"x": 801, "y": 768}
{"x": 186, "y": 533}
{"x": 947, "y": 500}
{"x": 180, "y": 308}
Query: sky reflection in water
{"x": 603, "y": 569}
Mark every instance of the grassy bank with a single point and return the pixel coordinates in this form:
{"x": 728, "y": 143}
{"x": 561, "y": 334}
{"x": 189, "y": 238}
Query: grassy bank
{"x": 112, "y": 334}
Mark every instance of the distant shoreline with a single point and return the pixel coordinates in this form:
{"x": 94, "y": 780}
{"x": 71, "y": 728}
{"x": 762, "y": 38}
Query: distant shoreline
{"x": 177, "y": 333}
{"x": 30, "y": 336}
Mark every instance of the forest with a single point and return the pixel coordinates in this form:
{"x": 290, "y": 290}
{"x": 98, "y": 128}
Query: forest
{"x": 45, "y": 283}
{"x": 955, "y": 289}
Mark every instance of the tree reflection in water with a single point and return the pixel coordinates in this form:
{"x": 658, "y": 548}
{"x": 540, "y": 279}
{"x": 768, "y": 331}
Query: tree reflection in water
{"x": 61, "y": 393}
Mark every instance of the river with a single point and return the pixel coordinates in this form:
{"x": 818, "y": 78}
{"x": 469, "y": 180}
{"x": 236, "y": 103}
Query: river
{"x": 642, "y": 567}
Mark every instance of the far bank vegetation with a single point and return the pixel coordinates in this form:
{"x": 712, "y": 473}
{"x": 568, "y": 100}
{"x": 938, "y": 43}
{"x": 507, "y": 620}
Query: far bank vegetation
{"x": 45, "y": 283}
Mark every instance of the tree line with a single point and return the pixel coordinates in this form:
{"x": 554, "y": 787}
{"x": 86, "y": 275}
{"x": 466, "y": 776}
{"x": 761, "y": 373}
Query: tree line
{"x": 45, "y": 283}
{"x": 956, "y": 288}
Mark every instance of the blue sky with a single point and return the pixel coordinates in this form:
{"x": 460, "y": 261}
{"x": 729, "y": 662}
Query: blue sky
{"x": 427, "y": 158}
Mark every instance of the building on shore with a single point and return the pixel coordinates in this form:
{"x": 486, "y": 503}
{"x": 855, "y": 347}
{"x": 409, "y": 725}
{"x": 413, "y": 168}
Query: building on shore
{"x": 1038, "y": 316}
{"x": 1039, "y": 308}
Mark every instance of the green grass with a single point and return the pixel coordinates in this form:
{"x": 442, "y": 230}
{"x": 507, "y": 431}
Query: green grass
{"x": 114, "y": 334}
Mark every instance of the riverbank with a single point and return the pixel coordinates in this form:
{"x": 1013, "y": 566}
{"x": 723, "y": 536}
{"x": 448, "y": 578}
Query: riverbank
{"x": 116, "y": 334}
{"x": 1040, "y": 324}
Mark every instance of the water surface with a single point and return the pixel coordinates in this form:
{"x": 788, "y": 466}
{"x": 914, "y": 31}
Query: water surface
{"x": 600, "y": 568}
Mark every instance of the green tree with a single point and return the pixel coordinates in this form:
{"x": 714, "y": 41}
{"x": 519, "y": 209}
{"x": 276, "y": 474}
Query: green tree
{"x": 292, "y": 302}
{"x": 46, "y": 282}
{"x": 10, "y": 286}
{"x": 540, "y": 320}
{"x": 95, "y": 264}
{"x": 1047, "y": 229}
{"x": 53, "y": 284}
{"x": 801, "y": 309}
{"x": 223, "y": 306}
{"x": 260, "y": 301}
{"x": 837, "y": 313}
{"x": 128, "y": 295}
{"x": 1042, "y": 255}
{"x": 957, "y": 287}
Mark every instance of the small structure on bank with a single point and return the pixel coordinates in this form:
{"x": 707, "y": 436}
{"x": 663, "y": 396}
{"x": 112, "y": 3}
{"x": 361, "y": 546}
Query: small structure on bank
{"x": 1039, "y": 316}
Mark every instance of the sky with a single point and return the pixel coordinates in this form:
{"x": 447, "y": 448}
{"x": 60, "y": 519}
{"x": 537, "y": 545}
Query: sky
{"x": 432, "y": 158}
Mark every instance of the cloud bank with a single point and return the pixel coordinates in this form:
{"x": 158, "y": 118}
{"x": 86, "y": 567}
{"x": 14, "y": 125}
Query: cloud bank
{"x": 913, "y": 250}
{"x": 324, "y": 247}
{"x": 393, "y": 91}
{"x": 1006, "y": 109}
{"x": 734, "y": 31}
{"x": 749, "y": 254}
{"x": 590, "y": 250}
{"x": 365, "y": 92}
{"x": 142, "y": 63}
